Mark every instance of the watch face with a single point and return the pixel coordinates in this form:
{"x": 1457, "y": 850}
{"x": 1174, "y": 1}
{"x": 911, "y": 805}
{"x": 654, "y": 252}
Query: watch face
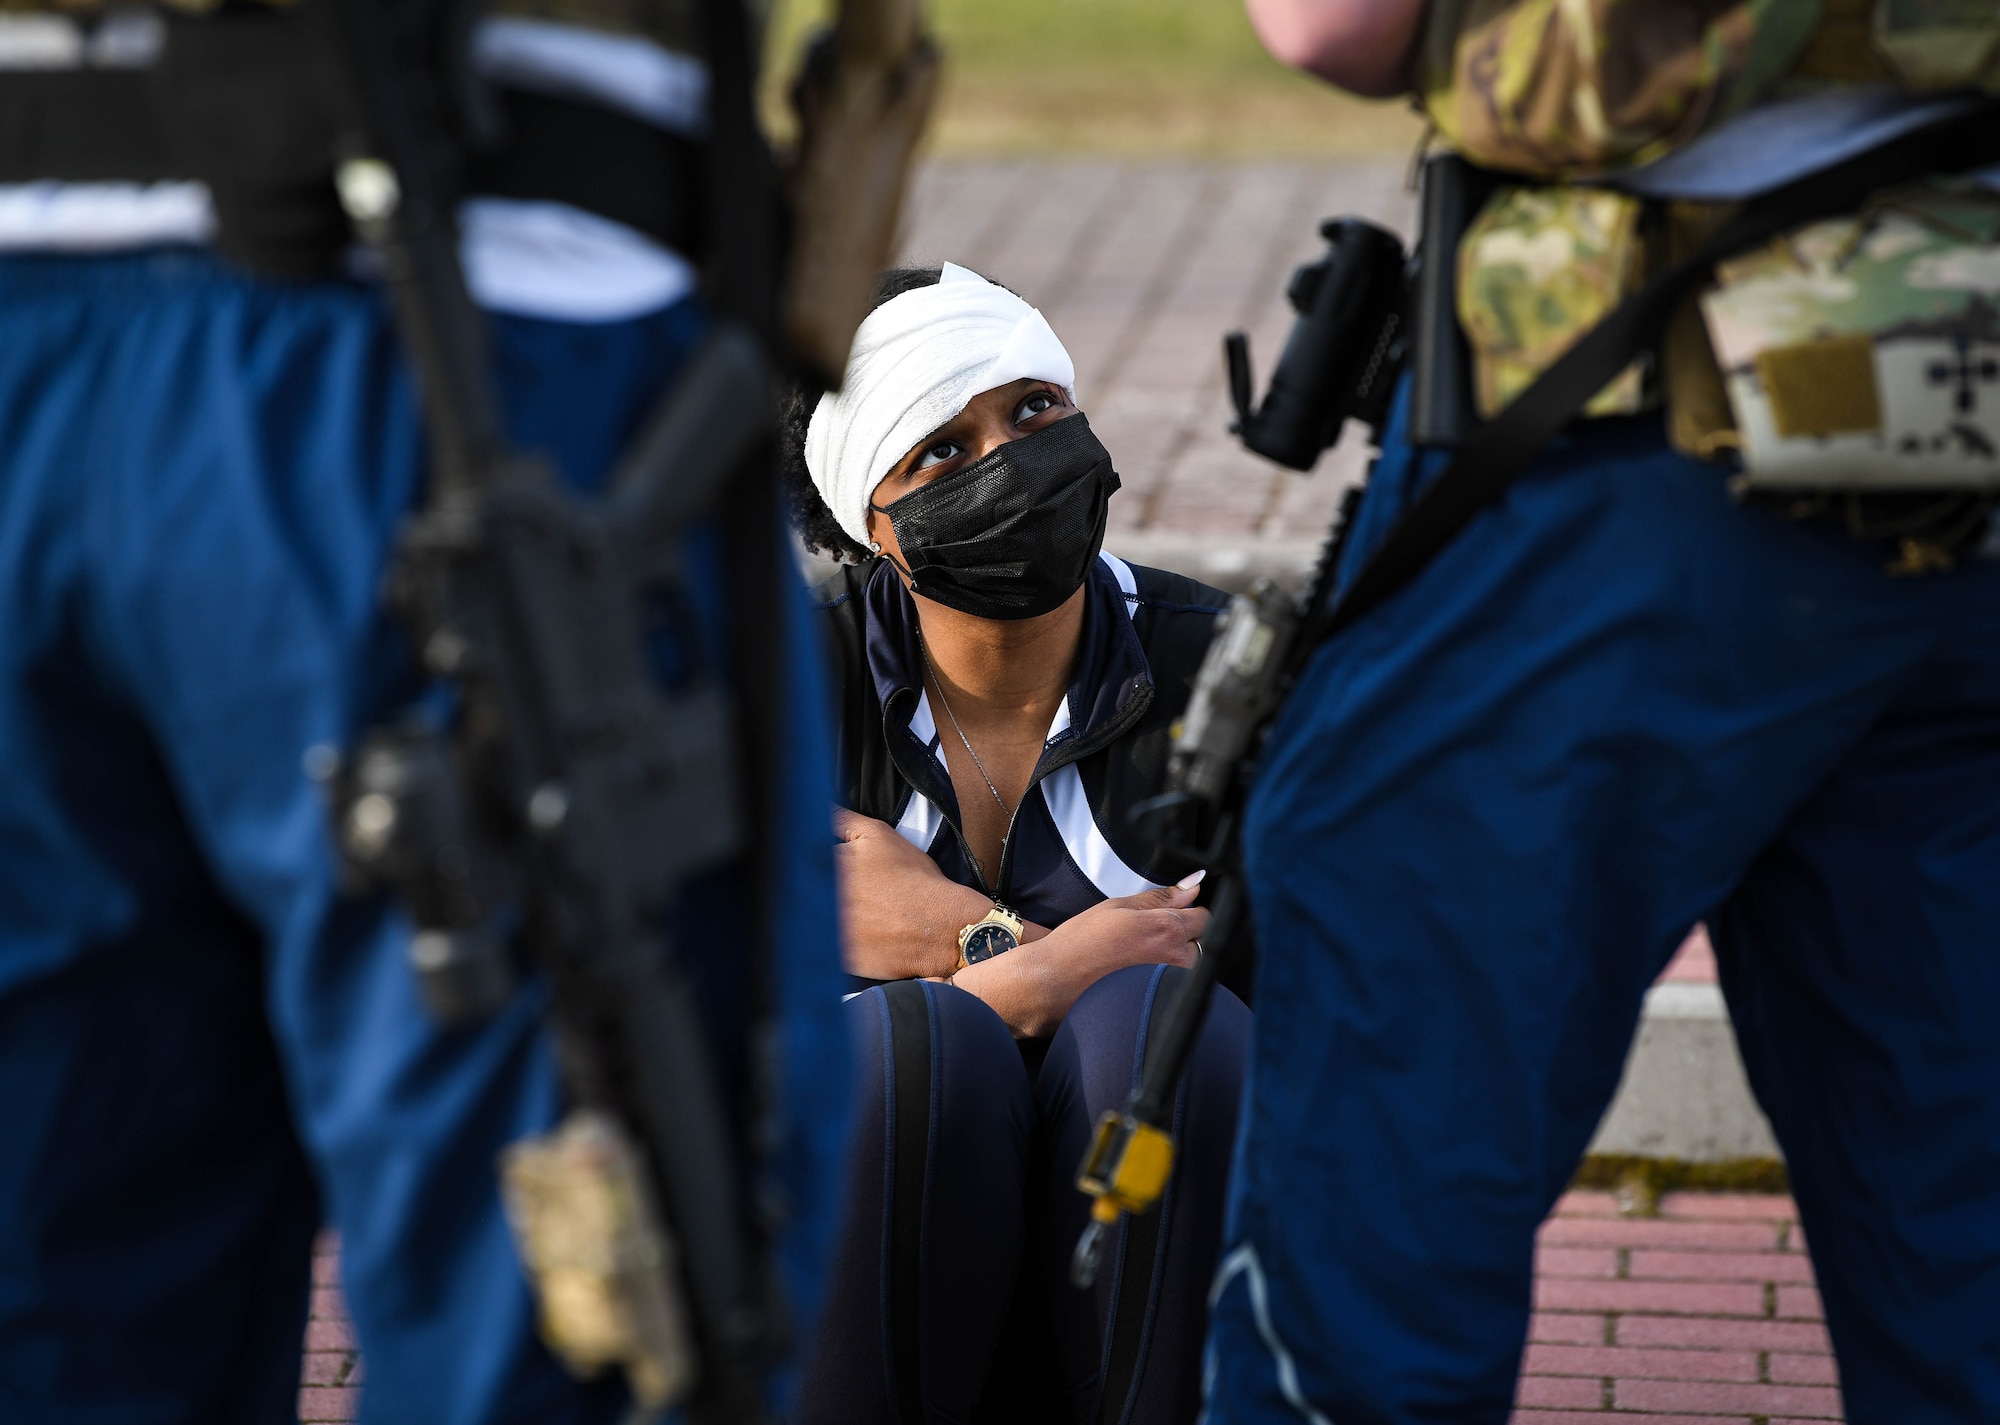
{"x": 986, "y": 941}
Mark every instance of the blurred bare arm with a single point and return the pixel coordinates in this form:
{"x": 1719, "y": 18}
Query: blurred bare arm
{"x": 1361, "y": 45}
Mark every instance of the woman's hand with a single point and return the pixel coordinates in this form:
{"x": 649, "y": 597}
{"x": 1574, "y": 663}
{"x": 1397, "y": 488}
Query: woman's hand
{"x": 1033, "y": 987}
{"x": 899, "y": 914}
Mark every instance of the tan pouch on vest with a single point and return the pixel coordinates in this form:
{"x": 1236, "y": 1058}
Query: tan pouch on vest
{"x": 1863, "y": 353}
{"x": 601, "y": 1260}
{"x": 1538, "y": 268}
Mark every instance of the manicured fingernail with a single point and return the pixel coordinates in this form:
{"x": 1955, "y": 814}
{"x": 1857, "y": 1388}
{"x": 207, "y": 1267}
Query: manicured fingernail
{"x": 1190, "y": 880}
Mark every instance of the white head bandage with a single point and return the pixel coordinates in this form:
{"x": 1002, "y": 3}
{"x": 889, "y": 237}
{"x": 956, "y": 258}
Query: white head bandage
{"x": 917, "y": 360}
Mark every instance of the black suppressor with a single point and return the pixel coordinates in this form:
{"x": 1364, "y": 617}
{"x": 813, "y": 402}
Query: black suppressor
{"x": 1343, "y": 354}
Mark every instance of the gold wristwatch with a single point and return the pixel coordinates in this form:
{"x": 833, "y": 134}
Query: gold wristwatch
{"x": 994, "y": 933}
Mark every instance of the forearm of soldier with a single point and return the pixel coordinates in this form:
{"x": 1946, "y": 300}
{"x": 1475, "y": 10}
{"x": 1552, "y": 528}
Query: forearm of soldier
{"x": 1363, "y": 46}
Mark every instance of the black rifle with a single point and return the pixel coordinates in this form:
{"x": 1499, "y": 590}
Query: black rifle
{"x": 1341, "y": 360}
{"x": 572, "y": 795}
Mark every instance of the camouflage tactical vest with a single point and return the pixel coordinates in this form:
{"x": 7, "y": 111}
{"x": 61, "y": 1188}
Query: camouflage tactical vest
{"x": 1558, "y": 89}
{"x": 1857, "y": 354}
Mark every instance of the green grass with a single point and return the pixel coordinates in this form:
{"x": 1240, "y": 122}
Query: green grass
{"x": 1120, "y": 76}
{"x": 1641, "y": 1181}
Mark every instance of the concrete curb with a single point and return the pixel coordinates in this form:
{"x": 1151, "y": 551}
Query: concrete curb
{"x": 1684, "y": 1096}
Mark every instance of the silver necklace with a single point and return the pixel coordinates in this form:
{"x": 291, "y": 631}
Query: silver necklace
{"x": 938, "y": 683}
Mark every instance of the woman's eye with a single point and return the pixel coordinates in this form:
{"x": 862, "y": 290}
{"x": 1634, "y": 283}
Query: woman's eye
{"x": 937, "y": 454}
{"x": 1034, "y": 406}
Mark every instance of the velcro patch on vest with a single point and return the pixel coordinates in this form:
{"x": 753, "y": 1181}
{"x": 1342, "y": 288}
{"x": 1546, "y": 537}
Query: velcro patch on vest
{"x": 1822, "y": 387}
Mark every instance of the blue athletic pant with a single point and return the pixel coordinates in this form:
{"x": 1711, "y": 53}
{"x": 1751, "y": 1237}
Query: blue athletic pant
{"x": 1618, "y": 703}
{"x": 950, "y": 1297}
{"x": 206, "y": 1050}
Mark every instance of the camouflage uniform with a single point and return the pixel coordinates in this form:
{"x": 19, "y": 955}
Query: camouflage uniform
{"x": 1575, "y": 88}
{"x": 1620, "y": 702}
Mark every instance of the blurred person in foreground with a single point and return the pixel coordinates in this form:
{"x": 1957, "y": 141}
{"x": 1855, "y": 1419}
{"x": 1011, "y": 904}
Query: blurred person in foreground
{"x": 209, "y": 1047}
{"x": 1735, "y": 662}
{"x": 1003, "y": 686}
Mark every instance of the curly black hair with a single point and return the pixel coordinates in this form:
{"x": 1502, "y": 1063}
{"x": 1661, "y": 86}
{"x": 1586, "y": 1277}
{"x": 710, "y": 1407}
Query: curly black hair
{"x": 810, "y": 516}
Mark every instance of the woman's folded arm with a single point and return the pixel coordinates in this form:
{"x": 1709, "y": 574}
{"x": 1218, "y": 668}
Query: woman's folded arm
{"x": 1033, "y": 987}
{"x": 900, "y": 918}
{"x": 900, "y": 915}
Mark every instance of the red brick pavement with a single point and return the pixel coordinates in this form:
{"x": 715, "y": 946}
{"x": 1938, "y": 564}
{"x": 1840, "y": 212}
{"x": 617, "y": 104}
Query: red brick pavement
{"x": 1703, "y": 1315}
{"x": 330, "y": 1383}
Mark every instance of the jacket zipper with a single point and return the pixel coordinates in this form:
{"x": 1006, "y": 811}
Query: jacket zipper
{"x": 1075, "y": 752}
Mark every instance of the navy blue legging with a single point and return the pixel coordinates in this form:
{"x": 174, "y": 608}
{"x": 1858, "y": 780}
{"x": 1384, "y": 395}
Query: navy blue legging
{"x": 950, "y": 1298}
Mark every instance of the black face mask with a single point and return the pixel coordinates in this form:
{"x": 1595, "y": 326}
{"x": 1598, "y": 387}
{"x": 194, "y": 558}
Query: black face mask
{"x": 1013, "y": 534}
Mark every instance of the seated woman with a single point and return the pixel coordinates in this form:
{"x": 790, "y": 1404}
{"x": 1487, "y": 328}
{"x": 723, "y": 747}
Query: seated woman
{"x": 1005, "y": 693}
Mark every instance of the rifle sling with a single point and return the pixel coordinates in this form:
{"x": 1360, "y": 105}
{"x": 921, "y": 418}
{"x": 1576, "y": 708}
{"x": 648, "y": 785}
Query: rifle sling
{"x": 1140, "y": 1261}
